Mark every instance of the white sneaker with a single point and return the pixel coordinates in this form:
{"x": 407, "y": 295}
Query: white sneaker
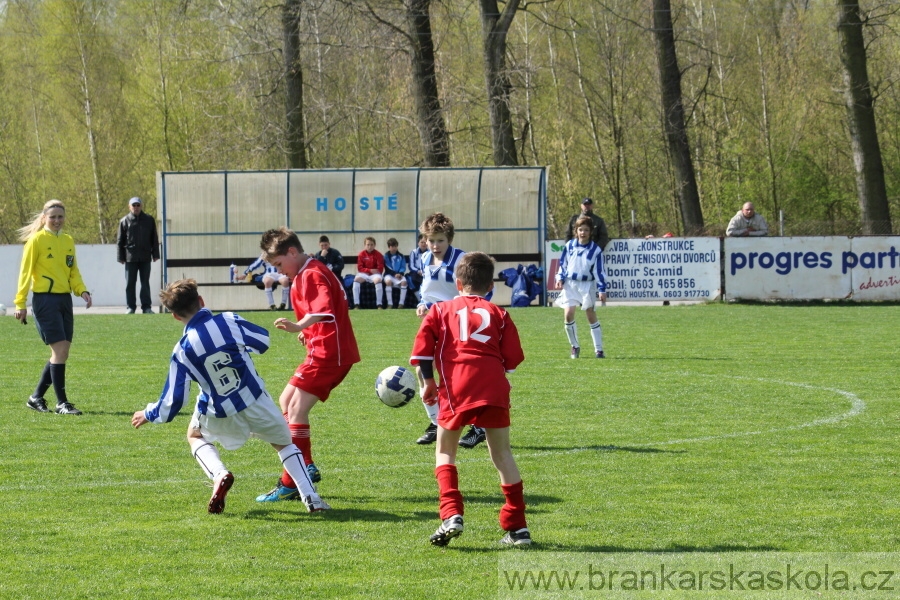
{"x": 314, "y": 503}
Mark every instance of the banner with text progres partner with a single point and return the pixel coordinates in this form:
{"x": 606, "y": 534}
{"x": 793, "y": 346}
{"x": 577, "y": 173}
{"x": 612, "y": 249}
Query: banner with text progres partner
{"x": 639, "y": 270}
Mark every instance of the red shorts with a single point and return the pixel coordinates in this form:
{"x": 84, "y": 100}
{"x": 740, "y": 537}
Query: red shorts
{"x": 318, "y": 380}
{"x": 489, "y": 417}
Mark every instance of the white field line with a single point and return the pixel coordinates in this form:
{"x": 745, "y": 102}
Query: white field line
{"x": 857, "y": 406}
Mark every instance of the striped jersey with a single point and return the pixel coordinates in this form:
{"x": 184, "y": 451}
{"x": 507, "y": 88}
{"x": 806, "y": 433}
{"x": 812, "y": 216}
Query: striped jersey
{"x": 415, "y": 259}
{"x": 261, "y": 262}
{"x": 215, "y": 352}
{"x": 394, "y": 264}
{"x": 439, "y": 281}
{"x": 582, "y": 263}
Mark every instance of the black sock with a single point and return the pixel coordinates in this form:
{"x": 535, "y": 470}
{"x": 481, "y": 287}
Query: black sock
{"x": 58, "y": 376}
{"x": 44, "y": 382}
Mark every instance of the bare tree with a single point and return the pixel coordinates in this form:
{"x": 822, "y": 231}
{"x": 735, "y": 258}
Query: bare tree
{"x": 875, "y": 212}
{"x": 494, "y": 29}
{"x": 295, "y": 137}
{"x": 673, "y": 119}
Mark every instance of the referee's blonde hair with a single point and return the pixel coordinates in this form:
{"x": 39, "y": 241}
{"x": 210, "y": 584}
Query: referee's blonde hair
{"x": 38, "y": 222}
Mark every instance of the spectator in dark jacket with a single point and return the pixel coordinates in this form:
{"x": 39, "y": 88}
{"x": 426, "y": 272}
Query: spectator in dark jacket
{"x": 600, "y": 235}
{"x": 333, "y": 259}
{"x": 138, "y": 247}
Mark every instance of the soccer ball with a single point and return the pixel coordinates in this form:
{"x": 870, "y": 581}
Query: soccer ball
{"x": 2, "y": 310}
{"x": 395, "y": 386}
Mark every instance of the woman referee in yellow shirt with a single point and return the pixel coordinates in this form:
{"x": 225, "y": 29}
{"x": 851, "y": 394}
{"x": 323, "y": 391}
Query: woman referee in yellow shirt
{"x": 49, "y": 270}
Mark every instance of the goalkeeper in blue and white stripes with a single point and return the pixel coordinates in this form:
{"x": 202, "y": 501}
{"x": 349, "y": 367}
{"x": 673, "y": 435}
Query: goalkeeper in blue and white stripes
{"x": 580, "y": 276}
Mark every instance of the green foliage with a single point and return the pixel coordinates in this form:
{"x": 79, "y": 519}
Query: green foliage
{"x": 744, "y": 428}
{"x": 177, "y": 85}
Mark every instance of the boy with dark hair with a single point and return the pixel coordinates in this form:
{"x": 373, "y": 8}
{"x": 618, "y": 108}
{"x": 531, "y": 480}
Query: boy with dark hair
{"x": 323, "y": 324}
{"x": 332, "y": 259}
{"x": 439, "y": 284}
{"x": 369, "y": 267}
{"x": 394, "y": 269}
{"x": 233, "y": 404}
{"x": 472, "y": 344}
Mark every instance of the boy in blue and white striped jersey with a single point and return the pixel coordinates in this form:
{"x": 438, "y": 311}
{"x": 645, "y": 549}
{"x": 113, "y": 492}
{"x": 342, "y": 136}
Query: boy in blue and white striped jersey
{"x": 269, "y": 277}
{"x": 580, "y": 275}
{"x": 233, "y": 403}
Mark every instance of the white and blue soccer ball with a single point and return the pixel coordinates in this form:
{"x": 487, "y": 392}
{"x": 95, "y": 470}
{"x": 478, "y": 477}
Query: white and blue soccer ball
{"x": 2, "y": 310}
{"x": 396, "y": 386}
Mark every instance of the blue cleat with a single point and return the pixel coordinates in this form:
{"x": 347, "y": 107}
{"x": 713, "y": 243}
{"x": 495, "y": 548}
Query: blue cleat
{"x": 281, "y": 492}
{"x": 313, "y": 471}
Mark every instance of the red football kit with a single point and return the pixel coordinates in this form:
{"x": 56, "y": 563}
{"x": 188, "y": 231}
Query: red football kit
{"x": 370, "y": 263}
{"x": 473, "y": 344}
{"x": 317, "y": 291}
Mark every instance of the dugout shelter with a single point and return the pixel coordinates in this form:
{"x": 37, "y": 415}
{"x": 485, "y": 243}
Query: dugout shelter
{"x": 211, "y": 220}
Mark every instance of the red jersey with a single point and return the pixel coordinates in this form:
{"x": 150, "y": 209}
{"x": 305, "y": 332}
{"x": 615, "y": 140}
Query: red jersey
{"x": 370, "y": 263}
{"x": 473, "y": 344}
{"x": 317, "y": 291}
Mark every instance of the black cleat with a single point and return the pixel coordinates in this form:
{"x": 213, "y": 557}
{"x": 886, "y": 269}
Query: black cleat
{"x": 473, "y": 437}
{"x": 575, "y": 352}
{"x": 38, "y": 404}
{"x": 220, "y": 489}
{"x": 451, "y": 527}
{"x": 600, "y": 354}
{"x": 67, "y": 408}
{"x": 281, "y": 306}
{"x": 429, "y": 436}
{"x": 517, "y": 538}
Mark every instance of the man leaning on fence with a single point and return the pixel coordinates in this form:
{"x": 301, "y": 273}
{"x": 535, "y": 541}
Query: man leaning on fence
{"x": 747, "y": 222}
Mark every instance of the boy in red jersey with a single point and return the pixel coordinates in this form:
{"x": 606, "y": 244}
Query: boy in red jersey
{"x": 369, "y": 267}
{"x": 472, "y": 344}
{"x": 323, "y": 325}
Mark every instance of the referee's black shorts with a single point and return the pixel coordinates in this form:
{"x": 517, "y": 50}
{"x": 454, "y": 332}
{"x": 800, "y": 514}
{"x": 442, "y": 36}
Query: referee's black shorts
{"x": 53, "y": 317}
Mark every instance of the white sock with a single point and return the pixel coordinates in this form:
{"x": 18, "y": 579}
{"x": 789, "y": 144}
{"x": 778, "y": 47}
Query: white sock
{"x": 356, "y": 293}
{"x": 597, "y": 336}
{"x": 402, "y": 295}
{"x": 572, "y": 334}
{"x": 389, "y": 292}
{"x": 431, "y": 411}
{"x": 292, "y": 459}
{"x": 284, "y": 295}
{"x": 207, "y": 457}
{"x": 379, "y": 295}
{"x": 270, "y": 297}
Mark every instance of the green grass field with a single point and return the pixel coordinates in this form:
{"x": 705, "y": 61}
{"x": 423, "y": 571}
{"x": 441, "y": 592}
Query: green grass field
{"x": 710, "y": 428}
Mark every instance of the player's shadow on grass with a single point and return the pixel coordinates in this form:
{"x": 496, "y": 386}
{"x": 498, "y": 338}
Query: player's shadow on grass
{"x": 335, "y": 514}
{"x": 604, "y": 448}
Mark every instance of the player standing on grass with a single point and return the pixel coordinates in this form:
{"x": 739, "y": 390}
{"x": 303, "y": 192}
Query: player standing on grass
{"x": 439, "y": 284}
{"x": 323, "y": 325}
{"x": 579, "y": 277}
{"x": 472, "y": 344}
{"x": 233, "y": 403}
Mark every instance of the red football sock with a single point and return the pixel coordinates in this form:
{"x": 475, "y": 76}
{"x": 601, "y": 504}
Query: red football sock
{"x": 451, "y": 500}
{"x": 300, "y": 438}
{"x": 512, "y": 515}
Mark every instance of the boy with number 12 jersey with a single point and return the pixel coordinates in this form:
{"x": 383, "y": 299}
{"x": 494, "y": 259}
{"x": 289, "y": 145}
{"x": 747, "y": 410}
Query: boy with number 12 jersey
{"x": 472, "y": 344}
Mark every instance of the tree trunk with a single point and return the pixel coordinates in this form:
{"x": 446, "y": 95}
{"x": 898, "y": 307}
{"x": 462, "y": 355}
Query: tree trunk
{"x": 673, "y": 119}
{"x": 87, "y": 106}
{"x": 494, "y": 29}
{"x": 295, "y": 138}
{"x": 432, "y": 130}
{"x": 875, "y": 213}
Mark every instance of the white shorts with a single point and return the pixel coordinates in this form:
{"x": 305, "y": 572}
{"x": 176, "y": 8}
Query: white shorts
{"x": 392, "y": 279}
{"x": 576, "y": 293}
{"x": 369, "y": 277}
{"x": 260, "y": 420}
